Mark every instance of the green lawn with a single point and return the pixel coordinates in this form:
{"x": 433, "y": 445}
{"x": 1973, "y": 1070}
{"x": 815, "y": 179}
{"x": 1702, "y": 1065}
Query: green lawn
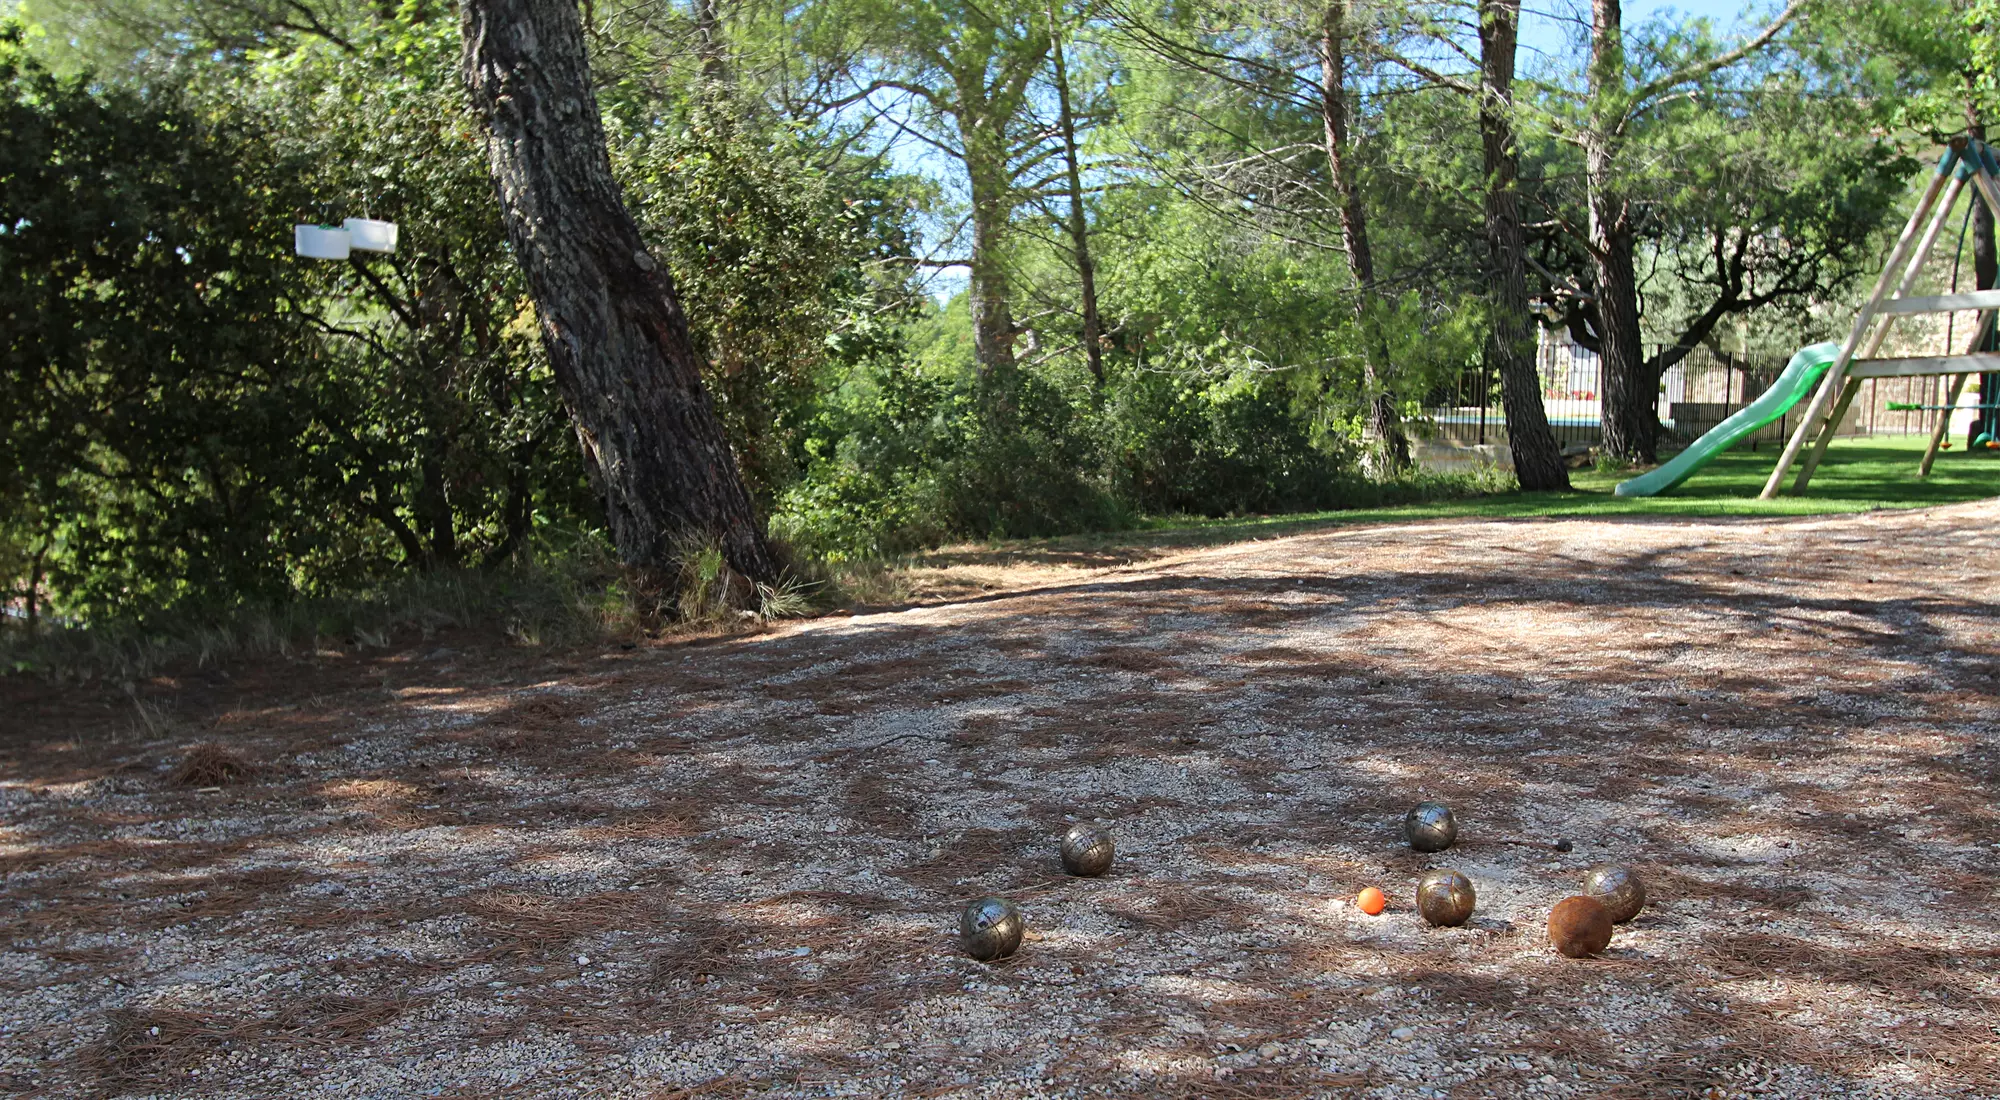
{"x": 1858, "y": 475}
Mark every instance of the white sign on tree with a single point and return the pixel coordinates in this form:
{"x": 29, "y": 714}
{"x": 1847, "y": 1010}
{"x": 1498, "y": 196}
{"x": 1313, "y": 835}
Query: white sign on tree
{"x": 318, "y": 242}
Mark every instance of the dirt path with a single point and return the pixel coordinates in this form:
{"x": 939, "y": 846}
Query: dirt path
{"x": 732, "y": 868}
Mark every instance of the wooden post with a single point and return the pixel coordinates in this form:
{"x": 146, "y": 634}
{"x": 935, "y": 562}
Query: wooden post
{"x": 1837, "y": 374}
{"x": 1987, "y": 188}
{"x": 1830, "y": 429}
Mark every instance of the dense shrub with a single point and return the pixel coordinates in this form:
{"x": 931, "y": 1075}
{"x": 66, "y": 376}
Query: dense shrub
{"x": 196, "y": 421}
{"x": 1219, "y": 447}
{"x": 900, "y": 458}
{"x": 147, "y": 349}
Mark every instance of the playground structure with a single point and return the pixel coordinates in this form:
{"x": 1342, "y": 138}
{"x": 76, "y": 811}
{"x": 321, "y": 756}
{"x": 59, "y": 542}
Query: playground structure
{"x": 1833, "y": 373}
{"x": 1965, "y": 161}
{"x": 1983, "y": 433}
{"x": 1797, "y": 380}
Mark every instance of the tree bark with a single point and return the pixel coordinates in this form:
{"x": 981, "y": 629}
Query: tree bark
{"x": 1382, "y": 421}
{"x": 1537, "y": 460}
{"x": 989, "y": 289}
{"x": 1079, "y": 228}
{"x": 34, "y": 593}
{"x": 1630, "y": 414}
{"x": 611, "y": 320}
{"x": 709, "y": 46}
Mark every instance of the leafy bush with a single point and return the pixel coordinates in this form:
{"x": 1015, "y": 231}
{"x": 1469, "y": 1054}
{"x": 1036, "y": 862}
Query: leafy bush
{"x": 147, "y": 348}
{"x": 1214, "y": 447}
{"x": 901, "y": 457}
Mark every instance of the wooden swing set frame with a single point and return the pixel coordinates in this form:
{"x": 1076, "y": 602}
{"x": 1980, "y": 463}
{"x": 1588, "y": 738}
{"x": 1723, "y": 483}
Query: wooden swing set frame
{"x": 1965, "y": 161}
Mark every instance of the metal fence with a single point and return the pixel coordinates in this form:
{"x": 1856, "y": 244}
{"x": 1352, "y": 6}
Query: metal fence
{"x": 1695, "y": 395}
{"x": 1465, "y": 410}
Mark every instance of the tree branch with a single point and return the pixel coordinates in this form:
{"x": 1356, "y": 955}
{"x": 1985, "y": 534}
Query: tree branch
{"x": 1442, "y": 80}
{"x": 1702, "y": 69}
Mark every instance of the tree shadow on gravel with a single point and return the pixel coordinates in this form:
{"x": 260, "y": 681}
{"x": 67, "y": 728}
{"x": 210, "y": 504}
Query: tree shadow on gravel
{"x": 765, "y": 841}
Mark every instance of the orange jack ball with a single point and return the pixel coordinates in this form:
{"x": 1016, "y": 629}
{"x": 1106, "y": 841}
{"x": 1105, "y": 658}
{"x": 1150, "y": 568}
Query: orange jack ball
{"x": 1580, "y": 927}
{"x": 1371, "y": 901}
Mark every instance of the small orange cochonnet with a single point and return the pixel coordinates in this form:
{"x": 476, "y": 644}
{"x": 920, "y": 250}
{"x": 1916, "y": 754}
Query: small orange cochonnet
{"x": 1371, "y": 901}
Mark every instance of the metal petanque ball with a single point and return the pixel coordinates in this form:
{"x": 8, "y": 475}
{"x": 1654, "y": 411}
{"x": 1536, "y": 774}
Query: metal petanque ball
{"x": 1087, "y": 850}
{"x": 1580, "y": 927}
{"x": 1619, "y": 888}
{"x": 990, "y": 928}
{"x": 1445, "y": 898}
{"x": 1429, "y": 827}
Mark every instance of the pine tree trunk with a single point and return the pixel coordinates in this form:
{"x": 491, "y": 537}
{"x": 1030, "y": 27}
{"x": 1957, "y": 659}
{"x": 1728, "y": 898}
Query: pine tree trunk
{"x": 1382, "y": 420}
{"x": 709, "y": 46}
{"x": 1537, "y": 460}
{"x": 1631, "y": 397}
{"x": 611, "y": 320}
{"x": 34, "y": 592}
{"x": 1079, "y": 226}
{"x": 988, "y": 288}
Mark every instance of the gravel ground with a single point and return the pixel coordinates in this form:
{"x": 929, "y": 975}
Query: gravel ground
{"x": 731, "y": 867}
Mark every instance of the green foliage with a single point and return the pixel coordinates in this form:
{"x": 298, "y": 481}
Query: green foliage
{"x": 1189, "y": 445}
{"x": 203, "y": 421}
{"x": 1908, "y": 66}
{"x": 766, "y": 252}
{"x": 902, "y": 458}
{"x": 437, "y": 427}
{"x": 1201, "y": 416}
{"x": 147, "y": 352}
{"x": 1779, "y": 204}
{"x": 199, "y": 419}
{"x": 871, "y": 484}
{"x": 200, "y": 428}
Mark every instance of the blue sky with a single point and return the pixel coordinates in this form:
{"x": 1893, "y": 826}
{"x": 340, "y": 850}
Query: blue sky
{"x": 1544, "y": 27}
{"x": 1722, "y": 11}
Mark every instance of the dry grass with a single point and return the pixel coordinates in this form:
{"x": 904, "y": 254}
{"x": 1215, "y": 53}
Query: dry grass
{"x": 152, "y": 1046}
{"x": 210, "y": 765}
{"x": 531, "y": 924}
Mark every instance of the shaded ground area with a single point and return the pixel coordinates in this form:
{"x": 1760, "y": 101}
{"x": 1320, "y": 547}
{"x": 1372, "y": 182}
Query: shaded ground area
{"x": 731, "y": 868}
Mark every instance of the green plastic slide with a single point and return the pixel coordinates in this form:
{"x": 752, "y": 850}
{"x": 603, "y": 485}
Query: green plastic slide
{"x": 1798, "y": 380}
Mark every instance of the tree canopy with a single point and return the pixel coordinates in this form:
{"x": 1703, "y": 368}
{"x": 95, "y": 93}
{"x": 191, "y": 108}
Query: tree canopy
{"x": 935, "y": 285}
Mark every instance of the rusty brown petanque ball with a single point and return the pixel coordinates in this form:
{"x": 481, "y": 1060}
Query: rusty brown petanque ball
{"x": 1580, "y": 927}
{"x": 1087, "y": 850}
{"x": 1445, "y": 898}
{"x": 1619, "y": 888}
{"x": 990, "y": 928}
